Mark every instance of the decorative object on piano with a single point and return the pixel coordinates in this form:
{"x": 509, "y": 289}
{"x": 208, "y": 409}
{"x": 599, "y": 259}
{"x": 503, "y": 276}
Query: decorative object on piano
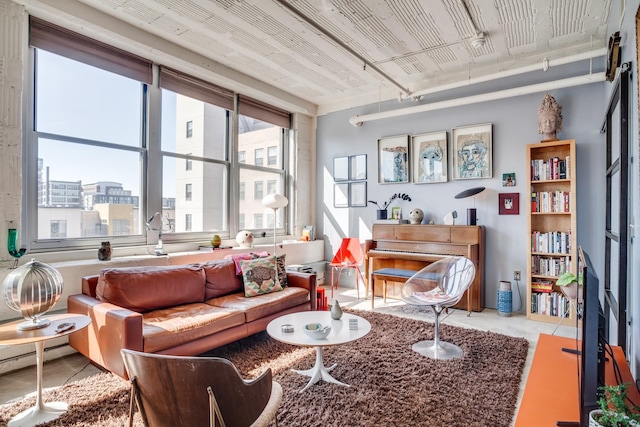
{"x": 336, "y": 310}
{"x": 32, "y": 290}
{"x": 473, "y": 151}
{"x": 471, "y": 212}
{"x": 429, "y": 158}
{"x": 244, "y": 239}
{"x": 509, "y": 203}
{"x": 416, "y": 215}
{"x": 396, "y": 212}
{"x": 393, "y": 159}
{"x": 509, "y": 179}
{"x": 549, "y": 118}
{"x": 450, "y": 218}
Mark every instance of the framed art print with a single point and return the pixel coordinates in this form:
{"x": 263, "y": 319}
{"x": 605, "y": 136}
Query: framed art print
{"x": 429, "y": 157}
{"x": 341, "y": 195}
{"x": 509, "y": 203}
{"x": 393, "y": 159}
{"x": 340, "y": 168}
{"x": 472, "y": 152}
{"x": 358, "y": 194}
{"x": 358, "y": 167}
{"x": 509, "y": 179}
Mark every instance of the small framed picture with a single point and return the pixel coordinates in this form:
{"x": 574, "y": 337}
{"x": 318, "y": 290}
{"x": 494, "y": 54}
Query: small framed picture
{"x": 509, "y": 203}
{"x": 509, "y": 179}
{"x": 396, "y": 212}
{"x": 341, "y": 195}
{"x": 358, "y": 194}
{"x": 358, "y": 167}
{"x": 393, "y": 159}
{"x": 340, "y": 168}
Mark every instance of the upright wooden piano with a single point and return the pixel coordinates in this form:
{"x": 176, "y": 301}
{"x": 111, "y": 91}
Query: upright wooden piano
{"x": 412, "y": 247}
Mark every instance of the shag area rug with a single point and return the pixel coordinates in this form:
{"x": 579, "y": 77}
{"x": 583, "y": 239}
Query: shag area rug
{"x": 391, "y": 385}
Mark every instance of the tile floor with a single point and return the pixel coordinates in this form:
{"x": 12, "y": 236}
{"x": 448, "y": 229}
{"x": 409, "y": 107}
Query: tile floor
{"x": 17, "y": 384}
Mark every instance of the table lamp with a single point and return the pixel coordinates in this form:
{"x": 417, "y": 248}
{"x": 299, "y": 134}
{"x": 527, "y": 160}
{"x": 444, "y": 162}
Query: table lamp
{"x": 32, "y": 290}
{"x": 471, "y": 212}
{"x": 274, "y": 201}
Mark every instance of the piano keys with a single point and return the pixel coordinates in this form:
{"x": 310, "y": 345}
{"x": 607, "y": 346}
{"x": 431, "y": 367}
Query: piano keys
{"x": 412, "y": 247}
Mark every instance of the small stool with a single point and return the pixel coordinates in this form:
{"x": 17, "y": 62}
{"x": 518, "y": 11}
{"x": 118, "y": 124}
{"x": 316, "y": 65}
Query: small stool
{"x": 384, "y": 274}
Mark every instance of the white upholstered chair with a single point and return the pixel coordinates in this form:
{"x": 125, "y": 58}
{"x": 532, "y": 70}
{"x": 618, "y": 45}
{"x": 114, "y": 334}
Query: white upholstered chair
{"x": 439, "y": 285}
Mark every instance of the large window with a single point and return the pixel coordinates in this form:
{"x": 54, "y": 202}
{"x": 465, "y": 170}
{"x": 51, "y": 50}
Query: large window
{"x": 88, "y": 153}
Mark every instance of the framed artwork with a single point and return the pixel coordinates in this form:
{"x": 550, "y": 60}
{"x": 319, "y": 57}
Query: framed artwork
{"x": 341, "y": 168}
{"x": 472, "y": 152}
{"x": 358, "y": 167}
{"x": 341, "y": 195}
{"x": 358, "y": 194}
{"x": 396, "y": 212}
{"x": 509, "y": 203}
{"x": 509, "y": 179}
{"x": 393, "y": 159}
{"x": 429, "y": 158}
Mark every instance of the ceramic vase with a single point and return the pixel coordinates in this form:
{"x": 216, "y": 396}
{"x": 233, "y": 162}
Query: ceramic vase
{"x": 216, "y": 241}
{"x": 336, "y": 311}
{"x": 381, "y": 214}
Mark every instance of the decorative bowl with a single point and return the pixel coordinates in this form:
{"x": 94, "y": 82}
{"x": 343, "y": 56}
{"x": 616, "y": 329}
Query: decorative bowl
{"x": 316, "y": 330}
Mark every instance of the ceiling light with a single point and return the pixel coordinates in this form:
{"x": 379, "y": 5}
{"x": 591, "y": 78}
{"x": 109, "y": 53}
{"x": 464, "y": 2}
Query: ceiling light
{"x": 478, "y": 40}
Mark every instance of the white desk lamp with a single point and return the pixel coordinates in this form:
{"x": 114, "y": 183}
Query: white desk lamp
{"x": 274, "y": 201}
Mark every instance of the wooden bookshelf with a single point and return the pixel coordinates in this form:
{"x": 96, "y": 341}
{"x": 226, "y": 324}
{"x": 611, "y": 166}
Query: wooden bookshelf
{"x": 551, "y": 223}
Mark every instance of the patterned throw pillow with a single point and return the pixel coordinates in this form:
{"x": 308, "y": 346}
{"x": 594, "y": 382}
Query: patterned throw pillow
{"x": 282, "y": 271}
{"x": 260, "y": 276}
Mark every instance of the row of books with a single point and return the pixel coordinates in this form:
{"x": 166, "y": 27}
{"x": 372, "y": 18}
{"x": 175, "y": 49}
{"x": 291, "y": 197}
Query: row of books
{"x": 550, "y": 266}
{"x": 554, "y": 168}
{"x": 550, "y": 304}
{"x": 552, "y": 242}
{"x": 551, "y": 201}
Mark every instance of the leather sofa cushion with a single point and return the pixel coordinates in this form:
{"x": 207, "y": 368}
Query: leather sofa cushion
{"x": 221, "y": 278}
{"x": 148, "y": 288}
{"x": 263, "y": 305}
{"x": 178, "y": 325}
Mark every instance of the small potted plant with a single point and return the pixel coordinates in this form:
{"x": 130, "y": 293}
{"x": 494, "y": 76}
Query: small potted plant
{"x": 615, "y": 409}
{"x": 382, "y": 210}
{"x": 570, "y": 285}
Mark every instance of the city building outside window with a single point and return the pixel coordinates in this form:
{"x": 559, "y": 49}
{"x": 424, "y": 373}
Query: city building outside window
{"x": 272, "y": 156}
{"x": 272, "y": 188}
{"x": 258, "y": 190}
{"x": 259, "y": 157}
{"x": 242, "y": 191}
{"x": 188, "y": 165}
{"x": 188, "y": 219}
{"x": 189, "y": 129}
{"x": 188, "y": 192}
{"x": 257, "y": 220}
{"x": 242, "y": 156}
{"x": 241, "y": 221}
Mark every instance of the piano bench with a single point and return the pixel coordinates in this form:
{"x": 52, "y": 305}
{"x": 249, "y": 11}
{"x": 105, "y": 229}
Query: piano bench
{"x": 392, "y": 274}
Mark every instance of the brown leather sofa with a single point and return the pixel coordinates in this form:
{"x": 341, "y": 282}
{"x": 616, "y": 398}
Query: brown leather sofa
{"x": 178, "y": 310}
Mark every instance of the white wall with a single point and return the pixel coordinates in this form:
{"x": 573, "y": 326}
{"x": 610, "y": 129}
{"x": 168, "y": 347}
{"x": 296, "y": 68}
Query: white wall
{"x": 514, "y": 126}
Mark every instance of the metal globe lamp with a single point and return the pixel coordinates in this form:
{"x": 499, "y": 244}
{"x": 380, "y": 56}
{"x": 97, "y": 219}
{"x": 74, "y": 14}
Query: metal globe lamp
{"x": 32, "y": 290}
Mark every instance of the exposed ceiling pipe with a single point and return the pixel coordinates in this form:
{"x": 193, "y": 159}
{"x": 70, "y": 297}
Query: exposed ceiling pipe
{"x": 365, "y": 61}
{"x": 514, "y": 71}
{"x": 358, "y": 120}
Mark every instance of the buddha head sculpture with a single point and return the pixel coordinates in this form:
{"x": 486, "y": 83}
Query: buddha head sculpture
{"x": 549, "y": 118}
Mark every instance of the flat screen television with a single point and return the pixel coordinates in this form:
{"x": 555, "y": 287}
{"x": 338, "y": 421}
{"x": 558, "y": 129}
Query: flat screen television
{"x": 591, "y": 355}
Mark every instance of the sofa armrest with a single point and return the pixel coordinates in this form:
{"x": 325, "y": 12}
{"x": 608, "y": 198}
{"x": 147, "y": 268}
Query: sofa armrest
{"x": 112, "y": 328}
{"x": 306, "y": 281}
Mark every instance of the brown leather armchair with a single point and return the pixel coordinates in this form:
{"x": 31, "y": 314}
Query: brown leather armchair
{"x": 176, "y": 391}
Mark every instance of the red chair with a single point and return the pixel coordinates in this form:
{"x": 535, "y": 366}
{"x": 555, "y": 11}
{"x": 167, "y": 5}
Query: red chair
{"x": 350, "y": 255}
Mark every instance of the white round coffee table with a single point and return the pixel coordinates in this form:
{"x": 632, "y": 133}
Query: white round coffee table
{"x": 340, "y": 334}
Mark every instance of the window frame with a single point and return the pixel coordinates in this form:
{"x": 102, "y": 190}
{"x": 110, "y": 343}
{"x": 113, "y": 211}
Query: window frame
{"x": 151, "y": 158}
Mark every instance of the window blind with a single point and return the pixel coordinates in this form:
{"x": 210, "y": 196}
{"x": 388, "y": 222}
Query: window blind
{"x": 64, "y": 42}
{"x": 265, "y": 112}
{"x": 195, "y": 88}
